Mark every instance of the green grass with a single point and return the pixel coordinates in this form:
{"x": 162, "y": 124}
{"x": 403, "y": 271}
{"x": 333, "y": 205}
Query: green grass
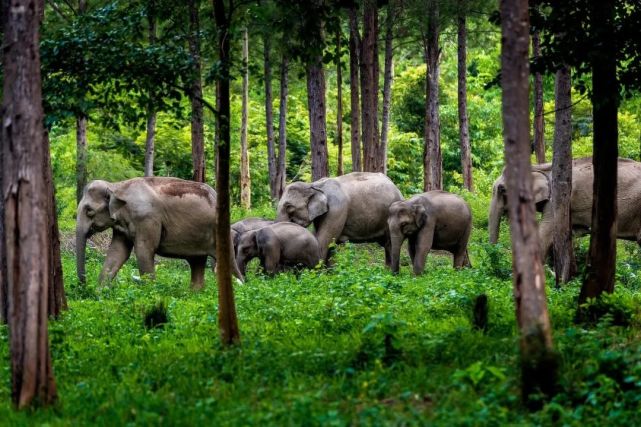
{"x": 348, "y": 345}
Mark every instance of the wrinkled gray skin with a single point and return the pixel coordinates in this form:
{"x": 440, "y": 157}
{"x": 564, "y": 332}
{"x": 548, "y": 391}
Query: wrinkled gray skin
{"x": 350, "y": 207}
{"x": 241, "y": 227}
{"x": 628, "y": 202}
{"x": 165, "y": 216}
{"x": 432, "y": 220}
{"x": 278, "y": 246}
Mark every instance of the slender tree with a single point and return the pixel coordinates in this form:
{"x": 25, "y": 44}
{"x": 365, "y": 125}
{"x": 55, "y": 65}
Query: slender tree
{"x": 369, "y": 72}
{"x": 388, "y": 77}
{"x": 81, "y": 135}
{"x": 227, "y": 320}
{"x": 282, "y": 126}
{"x": 354, "y": 64}
{"x": 269, "y": 117}
{"x": 4, "y": 285}
{"x": 151, "y": 114}
{"x": 26, "y": 199}
{"x": 432, "y": 158}
{"x": 245, "y": 177}
{"x": 339, "y": 103}
{"x": 539, "y": 123}
{"x": 196, "y": 94}
{"x": 538, "y": 369}
{"x": 564, "y": 261}
{"x": 463, "y": 125}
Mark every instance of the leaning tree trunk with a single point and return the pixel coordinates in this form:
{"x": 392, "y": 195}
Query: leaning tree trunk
{"x": 369, "y": 70}
{"x": 269, "y": 118}
{"x": 463, "y": 126}
{"x": 538, "y": 369}
{"x": 339, "y": 105}
{"x": 25, "y": 200}
{"x": 432, "y": 158}
{"x": 227, "y": 319}
{"x": 81, "y": 156}
{"x": 354, "y": 52}
{"x": 317, "y": 122}
{"x": 196, "y": 95}
{"x": 151, "y": 114}
{"x": 388, "y": 76}
{"x": 601, "y": 261}
{"x": 245, "y": 178}
{"x": 564, "y": 261}
{"x": 282, "y": 127}
{"x": 539, "y": 123}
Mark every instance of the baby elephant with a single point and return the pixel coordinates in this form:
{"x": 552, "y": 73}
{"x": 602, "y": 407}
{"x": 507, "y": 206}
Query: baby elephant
{"x": 278, "y": 246}
{"x": 432, "y": 220}
{"x": 243, "y": 226}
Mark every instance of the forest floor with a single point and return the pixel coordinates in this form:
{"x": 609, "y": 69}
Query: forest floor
{"x": 352, "y": 344}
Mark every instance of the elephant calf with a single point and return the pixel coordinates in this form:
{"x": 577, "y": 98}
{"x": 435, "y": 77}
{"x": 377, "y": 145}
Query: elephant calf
{"x": 432, "y": 220}
{"x": 248, "y": 224}
{"x": 278, "y": 246}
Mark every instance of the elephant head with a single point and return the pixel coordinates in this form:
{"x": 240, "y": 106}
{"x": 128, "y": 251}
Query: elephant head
{"x": 93, "y": 217}
{"x": 301, "y": 203}
{"x": 405, "y": 219}
{"x": 498, "y": 206}
{"x": 247, "y": 250}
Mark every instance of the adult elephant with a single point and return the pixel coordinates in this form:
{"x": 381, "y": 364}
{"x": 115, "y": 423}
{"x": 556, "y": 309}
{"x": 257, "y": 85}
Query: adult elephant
{"x": 350, "y": 207}
{"x": 170, "y": 217}
{"x": 628, "y": 201}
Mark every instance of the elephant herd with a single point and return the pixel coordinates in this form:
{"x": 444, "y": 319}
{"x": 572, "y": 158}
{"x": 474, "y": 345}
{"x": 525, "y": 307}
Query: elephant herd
{"x": 177, "y": 218}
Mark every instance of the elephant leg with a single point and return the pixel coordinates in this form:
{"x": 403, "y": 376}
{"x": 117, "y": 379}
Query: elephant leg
{"x": 546, "y": 232}
{"x": 386, "y": 243}
{"x": 461, "y": 258}
{"x": 328, "y": 229}
{"x": 424, "y": 242}
{"x": 197, "y": 266}
{"x": 117, "y": 254}
{"x": 145, "y": 245}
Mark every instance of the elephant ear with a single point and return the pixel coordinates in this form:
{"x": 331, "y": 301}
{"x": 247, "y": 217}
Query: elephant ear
{"x": 540, "y": 187}
{"x": 116, "y": 203}
{"x": 317, "y": 204}
{"x": 420, "y": 215}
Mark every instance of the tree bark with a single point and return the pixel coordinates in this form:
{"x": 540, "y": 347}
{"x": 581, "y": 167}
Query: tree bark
{"x": 197, "y": 125}
{"x": 538, "y": 368}
{"x": 432, "y": 158}
{"x": 564, "y": 261}
{"x": 282, "y": 127}
{"x": 388, "y": 78}
{"x": 4, "y": 285}
{"x": 151, "y": 114}
{"x": 601, "y": 261}
{"x": 245, "y": 178}
{"x": 269, "y": 119}
{"x": 339, "y": 104}
{"x": 317, "y": 121}
{"x": 463, "y": 125}
{"x": 227, "y": 319}
{"x": 369, "y": 70}
{"x": 354, "y": 64}
{"x": 28, "y": 249}
{"x": 81, "y": 156}
{"x": 539, "y": 123}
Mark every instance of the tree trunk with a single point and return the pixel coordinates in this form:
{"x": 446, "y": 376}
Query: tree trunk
{"x": 151, "y": 114}
{"x": 339, "y": 105}
{"x": 4, "y": 286}
{"x": 538, "y": 368}
{"x": 354, "y": 52}
{"x": 227, "y": 320}
{"x": 564, "y": 261}
{"x": 463, "y": 126}
{"x": 245, "y": 178}
{"x": 601, "y": 261}
{"x": 81, "y": 156}
{"x": 432, "y": 158}
{"x": 197, "y": 126}
{"x": 282, "y": 127}
{"x": 28, "y": 249}
{"x": 317, "y": 122}
{"x": 269, "y": 119}
{"x": 539, "y": 123}
{"x": 369, "y": 87}
{"x": 388, "y": 77}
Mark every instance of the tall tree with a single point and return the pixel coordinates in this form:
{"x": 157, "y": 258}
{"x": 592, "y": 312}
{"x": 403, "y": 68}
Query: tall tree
{"x": 25, "y": 201}
{"x": 369, "y": 72}
{"x": 196, "y": 94}
{"x": 388, "y": 77}
{"x": 245, "y": 178}
{"x": 538, "y": 369}
{"x": 564, "y": 261}
{"x": 432, "y": 157}
{"x": 339, "y": 103}
{"x": 354, "y": 64}
{"x": 227, "y": 319}
{"x": 269, "y": 117}
{"x": 282, "y": 126}
{"x": 539, "y": 123}
{"x": 463, "y": 125}
{"x": 151, "y": 114}
{"x": 81, "y": 134}
{"x": 601, "y": 261}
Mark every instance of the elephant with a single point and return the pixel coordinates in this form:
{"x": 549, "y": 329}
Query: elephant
{"x": 432, "y": 220}
{"x": 351, "y": 207}
{"x": 170, "y": 217}
{"x": 279, "y": 246}
{"x": 628, "y": 201}
{"x": 241, "y": 227}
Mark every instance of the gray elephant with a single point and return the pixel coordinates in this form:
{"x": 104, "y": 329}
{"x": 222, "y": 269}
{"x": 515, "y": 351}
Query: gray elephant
{"x": 165, "y": 216}
{"x": 350, "y": 207}
{"x": 432, "y": 220}
{"x": 628, "y": 201}
{"x": 278, "y": 246}
{"x": 241, "y": 227}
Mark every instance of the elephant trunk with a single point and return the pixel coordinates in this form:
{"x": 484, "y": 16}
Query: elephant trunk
{"x": 238, "y": 265}
{"x": 282, "y": 217}
{"x": 82, "y": 231}
{"x": 494, "y": 221}
{"x": 396, "y": 240}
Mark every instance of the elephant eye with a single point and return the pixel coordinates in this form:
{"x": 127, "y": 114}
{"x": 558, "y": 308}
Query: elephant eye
{"x": 290, "y": 209}
{"x": 90, "y": 212}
